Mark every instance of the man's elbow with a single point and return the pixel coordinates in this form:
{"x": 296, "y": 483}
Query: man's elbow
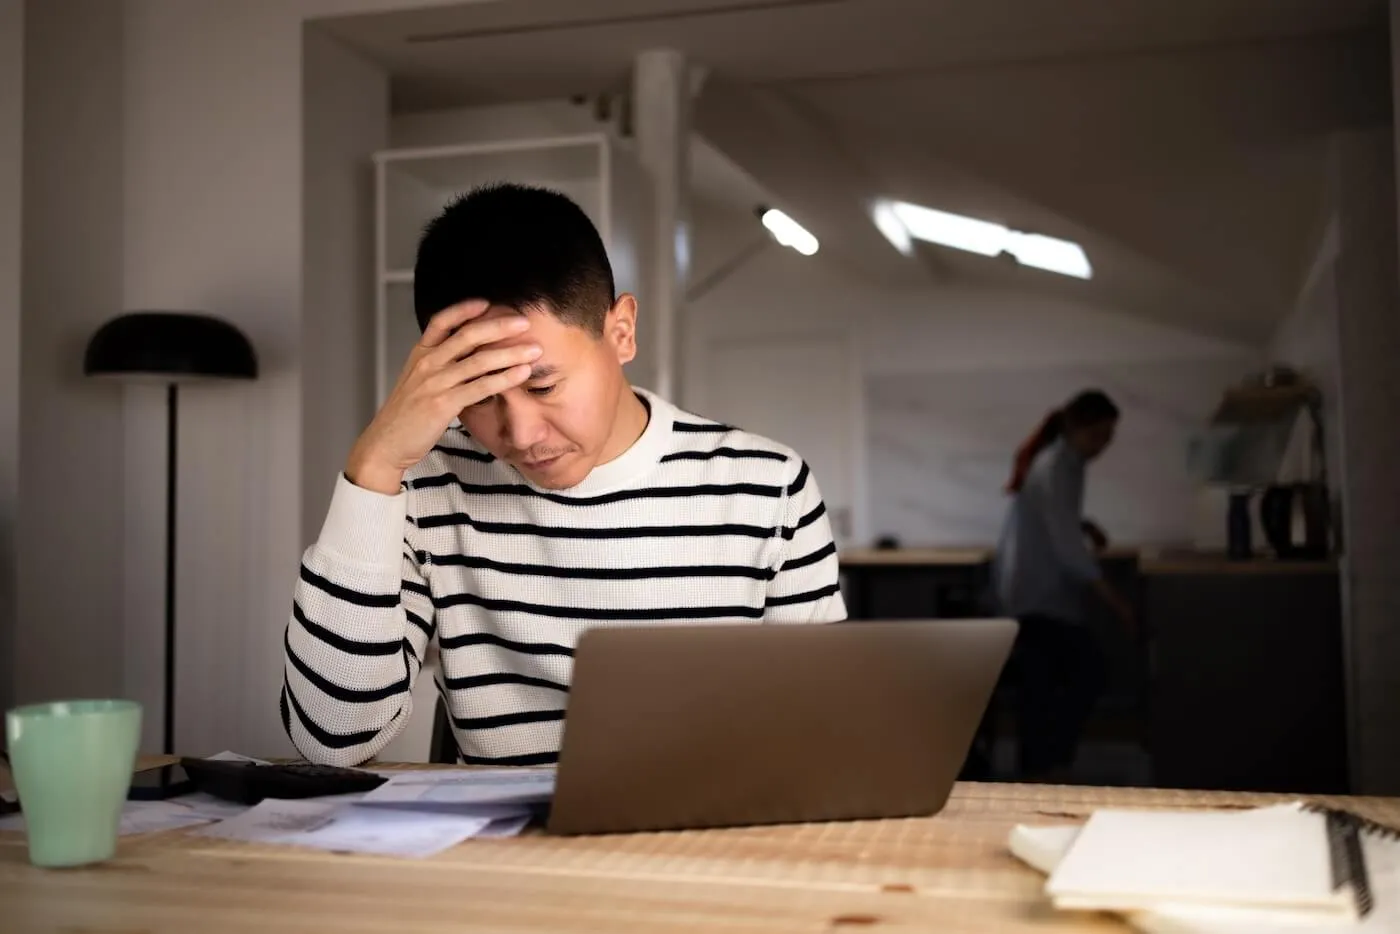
{"x": 317, "y": 752}
{"x": 343, "y": 758}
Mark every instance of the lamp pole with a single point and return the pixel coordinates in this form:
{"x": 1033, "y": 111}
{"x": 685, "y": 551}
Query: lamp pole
{"x": 172, "y": 411}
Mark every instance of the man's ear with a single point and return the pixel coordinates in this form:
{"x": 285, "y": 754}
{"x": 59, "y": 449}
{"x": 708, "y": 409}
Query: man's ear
{"x": 620, "y": 327}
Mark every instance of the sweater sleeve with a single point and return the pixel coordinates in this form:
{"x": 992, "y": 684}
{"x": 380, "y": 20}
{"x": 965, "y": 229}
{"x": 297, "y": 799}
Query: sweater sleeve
{"x": 361, "y": 622}
{"x": 806, "y": 586}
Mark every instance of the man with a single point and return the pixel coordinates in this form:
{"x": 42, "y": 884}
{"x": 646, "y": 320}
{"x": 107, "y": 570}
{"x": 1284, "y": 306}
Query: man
{"x": 566, "y": 499}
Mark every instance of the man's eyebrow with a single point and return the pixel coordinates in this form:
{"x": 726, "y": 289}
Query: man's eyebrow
{"x": 543, "y": 371}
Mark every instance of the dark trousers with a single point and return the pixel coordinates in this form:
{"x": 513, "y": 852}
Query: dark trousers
{"x": 1057, "y": 672}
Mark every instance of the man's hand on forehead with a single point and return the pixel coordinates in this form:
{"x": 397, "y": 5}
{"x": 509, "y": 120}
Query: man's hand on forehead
{"x": 467, "y": 353}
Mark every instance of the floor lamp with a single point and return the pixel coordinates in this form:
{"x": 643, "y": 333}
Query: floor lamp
{"x": 169, "y": 348}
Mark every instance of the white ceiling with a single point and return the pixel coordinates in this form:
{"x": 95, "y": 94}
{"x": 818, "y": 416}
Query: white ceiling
{"x": 1181, "y": 141}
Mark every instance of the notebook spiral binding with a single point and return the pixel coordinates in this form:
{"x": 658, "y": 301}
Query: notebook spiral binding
{"x": 1344, "y": 830}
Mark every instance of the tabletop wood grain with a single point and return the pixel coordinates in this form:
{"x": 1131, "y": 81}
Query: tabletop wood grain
{"x": 949, "y": 873}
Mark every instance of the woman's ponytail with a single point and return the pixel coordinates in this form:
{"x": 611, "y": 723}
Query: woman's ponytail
{"x": 1088, "y": 408}
{"x": 1045, "y": 435}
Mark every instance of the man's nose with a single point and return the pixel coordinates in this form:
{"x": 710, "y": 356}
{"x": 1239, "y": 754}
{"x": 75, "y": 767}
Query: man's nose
{"x": 521, "y": 427}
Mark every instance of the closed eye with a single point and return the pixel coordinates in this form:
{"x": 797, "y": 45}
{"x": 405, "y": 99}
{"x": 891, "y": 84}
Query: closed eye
{"x": 541, "y": 390}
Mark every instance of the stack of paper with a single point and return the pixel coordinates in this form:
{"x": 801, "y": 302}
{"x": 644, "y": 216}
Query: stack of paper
{"x": 502, "y": 792}
{"x": 415, "y": 813}
{"x": 331, "y": 825}
{"x": 1247, "y": 872}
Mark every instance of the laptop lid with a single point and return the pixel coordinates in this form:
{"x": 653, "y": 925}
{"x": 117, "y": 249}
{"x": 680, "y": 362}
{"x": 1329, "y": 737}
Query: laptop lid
{"x": 673, "y": 727}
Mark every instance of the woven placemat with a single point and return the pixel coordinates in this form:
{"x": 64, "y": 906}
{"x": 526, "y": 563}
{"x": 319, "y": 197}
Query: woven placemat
{"x": 959, "y": 853}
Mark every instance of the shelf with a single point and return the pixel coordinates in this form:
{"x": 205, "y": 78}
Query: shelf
{"x": 460, "y": 168}
{"x": 418, "y": 184}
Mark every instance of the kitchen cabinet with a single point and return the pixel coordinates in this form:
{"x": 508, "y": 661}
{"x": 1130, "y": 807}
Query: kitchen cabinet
{"x": 914, "y": 583}
{"x": 1246, "y": 675}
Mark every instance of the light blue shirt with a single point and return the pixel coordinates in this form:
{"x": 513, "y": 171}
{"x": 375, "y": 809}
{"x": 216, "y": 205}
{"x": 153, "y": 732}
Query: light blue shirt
{"x": 1043, "y": 562}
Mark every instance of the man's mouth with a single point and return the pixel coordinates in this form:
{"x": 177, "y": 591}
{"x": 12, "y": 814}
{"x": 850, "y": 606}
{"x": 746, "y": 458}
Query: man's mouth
{"x": 540, "y": 463}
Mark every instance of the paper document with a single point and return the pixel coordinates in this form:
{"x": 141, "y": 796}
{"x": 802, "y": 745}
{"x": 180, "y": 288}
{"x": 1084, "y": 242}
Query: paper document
{"x": 138, "y": 817}
{"x": 330, "y": 825}
{"x": 502, "y": 828}
{"x": 227, "y": 756}
{"x": 209, "y": 807}
{"x": 452, "y": 789}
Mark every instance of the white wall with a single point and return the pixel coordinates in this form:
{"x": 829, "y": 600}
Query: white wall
{"x": 11, "y": 173}
{"x": 213, "y": 187}
{"x": 957, "y": 377}
{"x": 346, "y": 112}
{"x": 69, "y": 637}
{"x": 213, "y": 190}
{"x": 1307, "y": 340}
{"x": 1368, "y": 336}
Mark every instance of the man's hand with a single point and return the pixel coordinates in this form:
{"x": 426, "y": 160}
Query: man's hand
{"x": 446, "y": 371}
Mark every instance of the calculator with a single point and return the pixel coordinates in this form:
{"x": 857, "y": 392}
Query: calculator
{"x": 250, "y": 782}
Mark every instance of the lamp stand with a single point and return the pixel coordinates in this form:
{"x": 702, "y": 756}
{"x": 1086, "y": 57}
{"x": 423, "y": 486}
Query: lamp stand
{"x": 171, "y": 346}
{"x": 172, "y": 408}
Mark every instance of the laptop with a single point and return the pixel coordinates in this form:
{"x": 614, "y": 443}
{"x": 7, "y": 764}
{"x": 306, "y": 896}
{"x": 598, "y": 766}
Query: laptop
{"x": 679, "y": 727}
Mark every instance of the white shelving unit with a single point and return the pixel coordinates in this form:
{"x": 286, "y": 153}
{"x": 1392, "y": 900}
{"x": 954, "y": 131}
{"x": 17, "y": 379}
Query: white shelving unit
{"x": 413, "y": 185}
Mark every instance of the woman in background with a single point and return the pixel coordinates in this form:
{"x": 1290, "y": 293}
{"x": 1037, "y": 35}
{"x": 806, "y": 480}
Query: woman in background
{"x": 1043, "y": 570}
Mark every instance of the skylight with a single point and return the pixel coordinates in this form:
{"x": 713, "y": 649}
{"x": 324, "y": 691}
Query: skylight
{"x": 902, "y": 222}
{"x": 892, "y": 227}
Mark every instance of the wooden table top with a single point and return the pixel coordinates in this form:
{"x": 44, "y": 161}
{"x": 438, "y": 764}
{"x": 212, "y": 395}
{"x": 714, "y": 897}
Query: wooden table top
{"x": 949, "y": 873}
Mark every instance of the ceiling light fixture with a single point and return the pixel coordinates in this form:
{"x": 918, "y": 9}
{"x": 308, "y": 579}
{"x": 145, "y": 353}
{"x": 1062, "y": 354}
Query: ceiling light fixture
{"x": 899, "y": 221}
{"x": 787, "y": 231}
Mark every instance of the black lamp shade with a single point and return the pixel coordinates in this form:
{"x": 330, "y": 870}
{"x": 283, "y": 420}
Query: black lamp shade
{"x": 170, "y": 346}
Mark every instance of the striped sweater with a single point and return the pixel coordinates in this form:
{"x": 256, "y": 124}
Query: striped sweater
{"x": 695, "y": 522}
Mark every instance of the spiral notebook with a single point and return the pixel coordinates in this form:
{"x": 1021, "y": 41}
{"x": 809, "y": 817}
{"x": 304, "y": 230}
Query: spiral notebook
{"x": 1290, "y": 867}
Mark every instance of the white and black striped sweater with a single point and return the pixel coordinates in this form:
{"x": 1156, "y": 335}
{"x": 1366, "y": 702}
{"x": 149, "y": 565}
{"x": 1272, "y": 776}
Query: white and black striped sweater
{"x": 696, "y": 521}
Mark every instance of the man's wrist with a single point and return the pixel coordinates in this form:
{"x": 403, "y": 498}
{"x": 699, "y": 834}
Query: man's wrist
{"x": 367, "y": 474}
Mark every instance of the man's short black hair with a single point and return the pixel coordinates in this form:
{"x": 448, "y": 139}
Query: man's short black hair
{"x": 517, "y": 246}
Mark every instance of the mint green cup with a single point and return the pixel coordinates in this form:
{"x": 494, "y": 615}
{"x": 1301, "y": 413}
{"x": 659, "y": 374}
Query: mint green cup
{"x": 72, "y": 763}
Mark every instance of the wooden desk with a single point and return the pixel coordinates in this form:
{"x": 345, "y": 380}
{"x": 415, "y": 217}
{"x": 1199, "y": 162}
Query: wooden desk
{"x": 950, "y": 873}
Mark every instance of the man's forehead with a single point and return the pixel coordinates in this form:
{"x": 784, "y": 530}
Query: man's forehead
{"x": 500, "y": 311}
{"x": 542, "y": 331}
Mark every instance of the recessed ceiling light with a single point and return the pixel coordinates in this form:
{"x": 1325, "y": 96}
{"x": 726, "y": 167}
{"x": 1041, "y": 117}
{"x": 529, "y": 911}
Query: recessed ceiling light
{"x": 787, "y": 231}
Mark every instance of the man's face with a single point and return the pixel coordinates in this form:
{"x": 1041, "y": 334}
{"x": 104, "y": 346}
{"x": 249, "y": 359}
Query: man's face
{"x": 563, "y": 421}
